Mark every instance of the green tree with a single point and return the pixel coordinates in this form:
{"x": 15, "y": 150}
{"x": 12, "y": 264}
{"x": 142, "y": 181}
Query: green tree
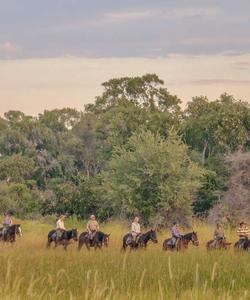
{"x": 216, "y": 127}
{"x": 16, "y": 168}
{"x": 146, "y": 91}
{"x": 16, "y": 197}
{"x": 151, "y": 176}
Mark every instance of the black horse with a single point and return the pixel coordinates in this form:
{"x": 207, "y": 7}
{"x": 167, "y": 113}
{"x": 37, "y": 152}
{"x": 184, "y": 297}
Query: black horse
{"x": 99, "y": 240}
{"x": 182, "y": 242}
{"x": 67, "y": 237}
{"x": 242, "y": 245}
{"x": 141, "y": 241}
{"x": 10, "y": 233}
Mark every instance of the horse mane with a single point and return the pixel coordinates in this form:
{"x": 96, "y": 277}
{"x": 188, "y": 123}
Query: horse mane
{"x": 147, "y": 233}
{"x": 188, "y": 235}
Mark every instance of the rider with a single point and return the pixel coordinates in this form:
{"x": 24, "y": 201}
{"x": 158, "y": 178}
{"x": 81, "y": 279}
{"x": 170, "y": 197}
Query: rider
{"x": 7, "y": 222}
{"x": 60, "y": 228}
{"x": 243, "y": 233}
{"x": 176, "y": 235}
{"x": 135, "y": 229}
{"x": 219, "y": 235}
{"x": 92, "y": 227}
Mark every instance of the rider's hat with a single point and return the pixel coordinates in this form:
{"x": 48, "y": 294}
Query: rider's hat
{"x": 92, "y": 216}
{"x": 61, "y": 216}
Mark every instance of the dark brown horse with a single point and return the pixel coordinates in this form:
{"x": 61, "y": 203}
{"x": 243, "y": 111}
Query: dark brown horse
{"x": 221, "y": 244}
{"x": 10, "y": 233}
{"x": 141, "y": 242}
{"x": 182, "y": 242}
{"x": 242, "y": 244}
{"x": 66, "y": 238}
{"x": 99, "y": 240}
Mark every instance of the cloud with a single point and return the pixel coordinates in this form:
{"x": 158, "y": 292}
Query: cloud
{"x": 215, "y": 81}
{"x": 129, "y": 16}
{"x": 219, "y": 40}
{"x": 242, "y": 65}
{"x": 7, "y": 49}
{"x": 126, "y": 16}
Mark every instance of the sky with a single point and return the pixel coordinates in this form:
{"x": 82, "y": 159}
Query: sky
{"x": 56, "y": 53}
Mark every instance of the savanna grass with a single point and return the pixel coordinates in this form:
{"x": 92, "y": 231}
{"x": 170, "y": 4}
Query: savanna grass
{"x": 30, "y": 271}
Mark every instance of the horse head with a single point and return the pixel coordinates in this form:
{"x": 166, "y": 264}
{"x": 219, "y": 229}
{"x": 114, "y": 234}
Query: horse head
{"x": 106, "y": 239}
{"x": 153, "y": 236}
{"x": 18, "y": 230}
{"x": 195, "y": 240}
{"x": 74, "y": 234}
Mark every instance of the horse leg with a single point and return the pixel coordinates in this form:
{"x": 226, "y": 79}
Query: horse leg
{"x": 49, "y": 243}
{"x": 80, "y": 244}
{"x": 55, "y": 244}
{"x": 124, "y": 247}
{"x": 87, "y": 245}
{"x": 65, "y": 244}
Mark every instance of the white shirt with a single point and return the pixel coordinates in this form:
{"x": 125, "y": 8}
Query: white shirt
{"x": 136, "y": 227}
{"x": 60, "y": 224}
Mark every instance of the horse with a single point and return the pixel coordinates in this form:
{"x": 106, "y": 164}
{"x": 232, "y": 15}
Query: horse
{"x": 10, "y": 233}
{"x": 242, "y": 245}
{"x": 141, "y": 241}
{"x": 68, "y": 236}
{"x": 182, "y": 242}
{"x": 99, "y": 240}
{"x": 221, "y": 244}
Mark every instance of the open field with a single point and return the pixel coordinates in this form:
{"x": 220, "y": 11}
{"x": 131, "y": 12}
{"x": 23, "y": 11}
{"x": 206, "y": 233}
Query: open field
{"x": 30, "y": 271}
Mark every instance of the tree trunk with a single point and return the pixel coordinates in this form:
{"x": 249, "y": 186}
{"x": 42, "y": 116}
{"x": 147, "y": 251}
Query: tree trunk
{"x": 204, "y": 152}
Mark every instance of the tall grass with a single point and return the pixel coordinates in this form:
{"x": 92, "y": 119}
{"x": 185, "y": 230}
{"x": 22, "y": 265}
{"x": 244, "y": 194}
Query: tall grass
{"x": 30, "y": 271}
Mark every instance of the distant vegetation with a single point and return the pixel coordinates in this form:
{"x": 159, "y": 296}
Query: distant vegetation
{"x": 134, "y": 151}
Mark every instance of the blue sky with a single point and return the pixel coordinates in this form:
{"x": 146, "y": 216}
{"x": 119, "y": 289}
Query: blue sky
{"x": 114, "y": 28}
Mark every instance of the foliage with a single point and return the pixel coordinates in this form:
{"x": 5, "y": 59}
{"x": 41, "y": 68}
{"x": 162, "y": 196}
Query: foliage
{"x": 68, "y": 160}
{"x": 151, "y": 176}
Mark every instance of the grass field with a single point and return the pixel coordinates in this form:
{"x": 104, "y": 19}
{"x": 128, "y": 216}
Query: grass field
{"x": 30, "y": 271}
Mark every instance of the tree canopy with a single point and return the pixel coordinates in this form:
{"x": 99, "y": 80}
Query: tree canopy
{"x": 135, "y": 150}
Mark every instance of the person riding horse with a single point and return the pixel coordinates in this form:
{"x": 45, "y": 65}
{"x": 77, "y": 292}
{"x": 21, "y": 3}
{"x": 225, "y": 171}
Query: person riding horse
{"x": 219, "y": 235}
{"x": 176, "y": 235}
{"x": 243, "y": 233}
{"x": 7, "y": 222}
{"x": 135, "y": 229}
{"x": 92, "y": 227}
{"x": 60, "y": 228}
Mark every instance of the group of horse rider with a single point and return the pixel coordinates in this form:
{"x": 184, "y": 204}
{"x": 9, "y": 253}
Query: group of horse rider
{"x": 93, "y": 227}
{"x": 219, "y": 235}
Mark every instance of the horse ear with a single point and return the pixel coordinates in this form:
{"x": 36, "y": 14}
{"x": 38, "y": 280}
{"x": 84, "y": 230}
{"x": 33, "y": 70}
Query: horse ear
{"x": 108, "y": 234}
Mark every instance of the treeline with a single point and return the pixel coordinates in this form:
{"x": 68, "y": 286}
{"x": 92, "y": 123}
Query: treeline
{"x": 133, "y": 152}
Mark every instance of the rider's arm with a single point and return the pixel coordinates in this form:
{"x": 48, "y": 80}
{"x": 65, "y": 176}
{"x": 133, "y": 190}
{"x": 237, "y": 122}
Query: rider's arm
{"x": 63, "y": 227}
{"x": 60, "y": 225}
{"x": 133, "y": 229}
